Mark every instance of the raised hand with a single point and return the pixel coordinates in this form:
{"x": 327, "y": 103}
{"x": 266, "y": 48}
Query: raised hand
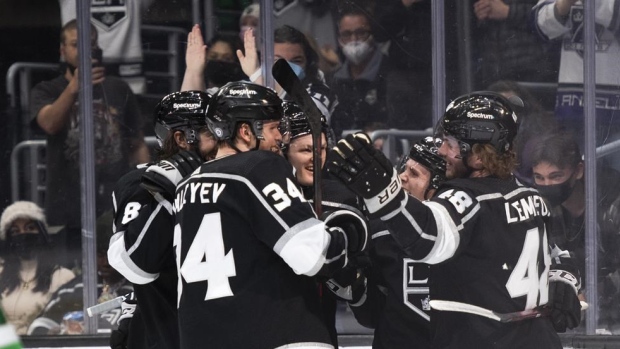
{"x": 195, "y": 61}
{"x": 249, "y": 60}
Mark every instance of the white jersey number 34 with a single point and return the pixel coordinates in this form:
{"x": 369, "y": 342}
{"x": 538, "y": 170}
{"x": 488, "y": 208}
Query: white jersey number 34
{"x": 217, "y": 267}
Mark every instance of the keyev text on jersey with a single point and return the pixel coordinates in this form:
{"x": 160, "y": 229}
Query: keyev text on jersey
{"x": 205, "y": 192}
{"x": 525, "y": 209}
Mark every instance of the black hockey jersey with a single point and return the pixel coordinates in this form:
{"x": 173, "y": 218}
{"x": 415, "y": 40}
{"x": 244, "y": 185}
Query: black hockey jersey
{"x": 487, "y": 244}
{"x": 141, "y": 250}
{"x": 397, "y": 302}
{"x": 248, "y": 244}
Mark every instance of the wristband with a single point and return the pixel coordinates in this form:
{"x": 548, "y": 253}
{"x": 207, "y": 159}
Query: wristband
{"x": 257, "y": 74}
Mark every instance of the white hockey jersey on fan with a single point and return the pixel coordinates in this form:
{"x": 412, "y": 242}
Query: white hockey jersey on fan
{"x": 607, "y": 47}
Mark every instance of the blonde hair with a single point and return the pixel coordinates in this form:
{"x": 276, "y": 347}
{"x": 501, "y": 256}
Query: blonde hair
{"x": 499, "y": 165}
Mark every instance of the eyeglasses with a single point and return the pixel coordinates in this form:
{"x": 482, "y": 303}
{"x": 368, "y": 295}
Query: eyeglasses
{"x": 360, "y": 34}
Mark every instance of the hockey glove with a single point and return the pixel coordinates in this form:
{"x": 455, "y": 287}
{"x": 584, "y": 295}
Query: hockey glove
{"x": 565, "y": 309}
{"x": 349, "y": 285}
{"x": 118, "y": 338}
{"x": 368, "y": 173}
{"x": 351, "y": 225}
{"x": 164, "y": 176}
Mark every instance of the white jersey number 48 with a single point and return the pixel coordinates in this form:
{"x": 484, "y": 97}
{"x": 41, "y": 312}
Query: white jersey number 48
{"x": 217, "y": 267}
{"x": 524, "y": 280}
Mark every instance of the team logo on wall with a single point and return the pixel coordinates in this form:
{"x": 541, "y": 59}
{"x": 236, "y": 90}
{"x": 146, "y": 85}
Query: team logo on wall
{"x": 575, "y": 42}
{"x": 109, "y": 14}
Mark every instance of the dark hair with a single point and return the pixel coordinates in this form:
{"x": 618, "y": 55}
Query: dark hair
{"x": 169, "y": 146}
{"x": 530, "y": 103}
{"x": 10, "y": 280}
{"x": 557, "y": 148}
{"x": 355, "y": 11}
{"x": 72, "y": 24}
{"x": 287, "y": 34}
{"x": 232, "y": 41}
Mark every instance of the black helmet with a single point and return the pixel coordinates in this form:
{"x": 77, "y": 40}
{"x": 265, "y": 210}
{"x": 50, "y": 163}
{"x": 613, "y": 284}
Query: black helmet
{"x": 425, "y": 152}
{"x": 480, "y": 117}
{"x": 298, "y": 122}
{"x": 239, "y": 101}
{"x": 183, "y": 111}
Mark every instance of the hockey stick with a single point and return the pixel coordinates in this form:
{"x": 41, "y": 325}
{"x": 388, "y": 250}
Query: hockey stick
{"x": 108, "y": 305}
{"x": 287, "y": 79}
{"x": 501, "y": 317}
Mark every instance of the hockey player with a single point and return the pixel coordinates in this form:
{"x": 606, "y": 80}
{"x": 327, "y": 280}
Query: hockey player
{"x": 483, "y": 233}
{"x": 141, "y": 248}
{"x": 397, "y": 302}
{"x": 335, "y": 195}
{"x": 248, "y": 243}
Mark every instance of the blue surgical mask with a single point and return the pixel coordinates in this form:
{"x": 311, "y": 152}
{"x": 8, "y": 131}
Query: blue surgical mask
{"x": 299, "y": 71}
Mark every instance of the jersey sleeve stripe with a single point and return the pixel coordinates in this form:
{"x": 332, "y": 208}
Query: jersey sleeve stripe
{"x": 448, "y": 238}
{"x": 120, "y": 260}
{"x": 341, "y": 206}
{"x": 416, "y": 226}
{"x": 392, "y": 214}
{"x": 380, "y": 234}
{"x": 303, "y": 247}
{"x": 145, "y": 228}
{"x": 255, "y": 191}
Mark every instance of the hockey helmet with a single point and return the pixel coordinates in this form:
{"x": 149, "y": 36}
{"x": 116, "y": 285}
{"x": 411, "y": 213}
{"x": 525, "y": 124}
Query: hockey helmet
{"x": 184, "y": 111}
{"x": 480, "y": 117}
{"x": 296, "y": 124}
{"x": 241, "y": 101}
{"x": 425, "y": 152}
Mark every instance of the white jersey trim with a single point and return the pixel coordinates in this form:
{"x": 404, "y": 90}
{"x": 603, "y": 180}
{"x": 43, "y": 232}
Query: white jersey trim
{"x": 447, "y": 240}
{"x": 120, "y": 260}
{"x": 307, "y": 345}
{"x": 249, "y": 184}
{"x": 302, "y": 249}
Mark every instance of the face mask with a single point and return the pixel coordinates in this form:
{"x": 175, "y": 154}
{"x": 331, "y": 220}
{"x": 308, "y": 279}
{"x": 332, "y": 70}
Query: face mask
{"x": 26, "y": 246}
{"x": 299, "y": 71}
{"x": 556, "y": 193}
{"x": 219, "y": 73}
{"x": 357, "y": 51}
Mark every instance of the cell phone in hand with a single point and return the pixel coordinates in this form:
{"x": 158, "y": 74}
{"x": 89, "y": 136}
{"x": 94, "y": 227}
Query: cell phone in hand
{"x": 97, "y": 55}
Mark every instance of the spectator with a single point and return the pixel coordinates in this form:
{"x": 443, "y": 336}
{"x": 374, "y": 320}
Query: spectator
{"x": 507, "y": 47}
{"x": 533, "y": 119}
{"x": 119, "y": 143}
{"x": 250, "y": 20}
{"x": 30, "y": 274}
{"x": 68, "y": 298}
{"x": 360, "y": 82}
{"x": 222, "y": 62}
{"x": 558, "y": 169}
{"x": 563, "y": 20}
{"x": 213, "y": 65}
{"x": 120, "y": 39}
{"x": 313, "y": 18}
{"x": 289, "y": 44}
{"x": 406, "y": 24}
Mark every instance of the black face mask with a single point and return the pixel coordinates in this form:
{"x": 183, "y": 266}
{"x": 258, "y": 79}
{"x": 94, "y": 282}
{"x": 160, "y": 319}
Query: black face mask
{"x": 219, "y": 73}
{"x": 556, "y": 193}
{"x": 26, "y": 246}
